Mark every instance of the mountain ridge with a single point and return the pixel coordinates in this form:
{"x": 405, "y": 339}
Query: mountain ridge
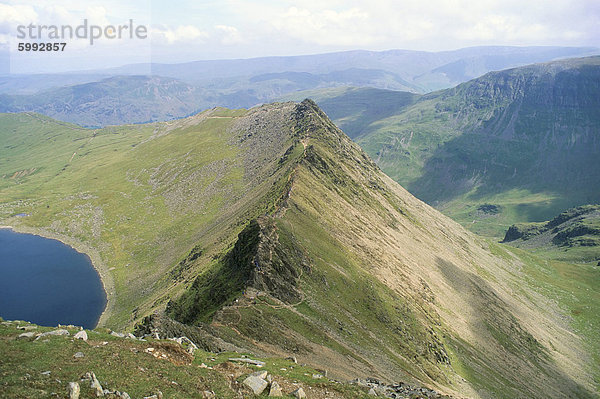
{"x": 387, "y": 285}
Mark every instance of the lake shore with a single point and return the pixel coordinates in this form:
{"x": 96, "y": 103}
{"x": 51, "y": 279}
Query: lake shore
{"x": 100, "y": 267}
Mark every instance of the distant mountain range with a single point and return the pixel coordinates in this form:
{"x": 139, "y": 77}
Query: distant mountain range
{"x": 122, "y": 95}
{"x": 112, "y": 101}
{"x": 425, "y": 71}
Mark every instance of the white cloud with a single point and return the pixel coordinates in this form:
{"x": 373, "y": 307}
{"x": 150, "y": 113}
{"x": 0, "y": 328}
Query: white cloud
{"x": 13, "y": 15}
{"x": 420, "y": 24}
{"x": 183, "y": 33}
{"x": 96, "y": 15}
{"x": 229, "y": 34}
{"x": 326, "y": 27}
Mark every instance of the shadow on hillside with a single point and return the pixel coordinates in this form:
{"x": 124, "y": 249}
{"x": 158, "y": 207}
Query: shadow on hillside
{"x": 486, "y": 165}
{"x": 513, "y": 363}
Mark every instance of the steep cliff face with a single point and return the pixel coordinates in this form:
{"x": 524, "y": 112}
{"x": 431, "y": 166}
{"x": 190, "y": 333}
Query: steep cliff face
{"x": 533, "y": 126}
{"x": 529, "y": 103}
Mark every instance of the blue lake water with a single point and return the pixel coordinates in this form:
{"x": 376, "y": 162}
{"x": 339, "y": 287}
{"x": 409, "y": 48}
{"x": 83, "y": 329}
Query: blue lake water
{"x": 47, "y": 282}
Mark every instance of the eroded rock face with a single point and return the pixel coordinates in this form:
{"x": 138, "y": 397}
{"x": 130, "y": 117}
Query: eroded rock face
{"x": 378, "y": 388}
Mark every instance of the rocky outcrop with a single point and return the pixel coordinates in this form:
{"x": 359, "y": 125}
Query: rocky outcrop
{"x": 399, "y": 390}
{"x": 578, "y": 226}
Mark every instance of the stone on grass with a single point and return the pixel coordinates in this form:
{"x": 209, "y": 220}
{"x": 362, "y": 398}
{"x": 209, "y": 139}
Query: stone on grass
{"x": 74, "y": 390}
{"x": 53, "y": 332}
{"x": 27, "y": 335}
{"x": 260, "y": 374}
{"x": 257, "y": 363}
{"x": 299, "y": 393}
{"x": 78, "y": 355}
{"x": 275, "y": 390}
{"x": 27, "y": 328}
{"x": 256, "y": 384}
{"x": 81, "y": 335}
{"x": 95, "y": 385}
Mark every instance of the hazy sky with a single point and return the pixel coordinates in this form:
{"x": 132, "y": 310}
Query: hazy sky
{"x": 193, "y": 30}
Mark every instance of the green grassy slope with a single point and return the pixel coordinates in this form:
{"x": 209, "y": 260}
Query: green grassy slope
{"x": 142, "y": 196}
{"x": 127, "y": 365}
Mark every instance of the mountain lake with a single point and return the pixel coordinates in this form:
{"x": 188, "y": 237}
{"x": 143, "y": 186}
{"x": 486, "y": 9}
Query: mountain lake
{"x": 46, "y": 282}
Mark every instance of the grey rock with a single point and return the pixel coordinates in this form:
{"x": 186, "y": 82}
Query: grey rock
{"x": 292, "y": 358}
{"x": 299, "y": 393}
{"x": 372, "y": 392}
{"x": 275, "y": 390}
{"x": 74, "y": 390}
{"x": 185, "y": 341}
{"x": 360, "y": 383}
{"x": 81, "y": 335}
{"x": 257, "y": 363}
{"x": 123, "y": 395}
{"x": 78, "y": 355}
{"x": 256, "y": 384}
{"x": 317, "y": 376}
{"x": 53, "y": 332}
{"x": 45, "y": 373}
{"x": 27, "y": 328}
{"x": 323, "y": 372}
{"x": 260, "y": 374}
{"x": 27, "y": 335}
{"x": 151, "y": 397}
{"x": 117, "y": 334}
{"x": 208, "y": 395}
{"x": 130, "y": 335}
{"x": 95, "y": 385}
